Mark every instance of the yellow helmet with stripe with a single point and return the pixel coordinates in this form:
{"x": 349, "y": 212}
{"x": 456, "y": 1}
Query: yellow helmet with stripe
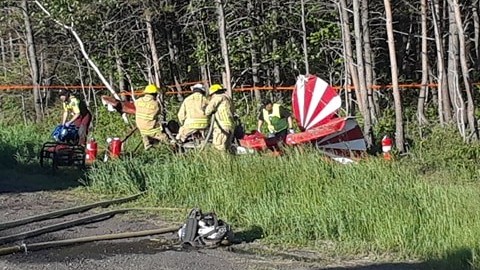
{"x": 214, "y": 88}
{"x": 150, "y": 89}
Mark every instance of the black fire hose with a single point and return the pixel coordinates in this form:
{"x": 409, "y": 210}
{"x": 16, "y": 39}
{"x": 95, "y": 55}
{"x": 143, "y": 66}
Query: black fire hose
{"x": 65, "y": 212}
{"x": 61, "y": 226}
{"x": 67, "y": 242}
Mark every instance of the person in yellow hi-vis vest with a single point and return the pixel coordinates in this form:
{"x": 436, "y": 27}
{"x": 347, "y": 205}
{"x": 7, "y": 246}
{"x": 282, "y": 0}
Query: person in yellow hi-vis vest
{"x": 278, "y": 119}
{"x": 146, "y": 117}
{"x": 192, "y": 113}
{"x": 81, "y": 116}
{"x": 220, "y": 108}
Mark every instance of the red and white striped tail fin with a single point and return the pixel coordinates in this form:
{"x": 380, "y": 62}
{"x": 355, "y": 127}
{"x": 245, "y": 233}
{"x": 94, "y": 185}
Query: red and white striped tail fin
{"x": 314, "y": 102}
{"x": 346, "y": 142}
{"x": 315, "y": 105}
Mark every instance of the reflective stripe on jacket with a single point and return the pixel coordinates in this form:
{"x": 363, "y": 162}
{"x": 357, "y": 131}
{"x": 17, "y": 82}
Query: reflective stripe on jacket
{"x": 192, "y": 112}
{"x": 221, "y": 108}
{"x": 146, "y": 112}
{"x": 274, "y": 120}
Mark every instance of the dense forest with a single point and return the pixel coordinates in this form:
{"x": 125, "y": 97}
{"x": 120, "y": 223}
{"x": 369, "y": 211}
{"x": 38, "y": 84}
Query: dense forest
{"x": 408, "y": 60}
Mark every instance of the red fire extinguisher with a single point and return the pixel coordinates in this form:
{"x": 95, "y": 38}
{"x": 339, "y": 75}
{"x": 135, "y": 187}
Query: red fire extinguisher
{"x": 92, "y": 150}
{"x": 387, "y": 144}
{"x": 115, "y": 147}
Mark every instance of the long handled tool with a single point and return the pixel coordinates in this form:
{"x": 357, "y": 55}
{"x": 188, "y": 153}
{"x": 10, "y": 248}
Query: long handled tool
{"x": 209, "y": 134}
{"x": 65, "y": 212}
{"x": 129, "y": 134}
{"x": 61, "y": 226}
{"x": 67, "y": 242}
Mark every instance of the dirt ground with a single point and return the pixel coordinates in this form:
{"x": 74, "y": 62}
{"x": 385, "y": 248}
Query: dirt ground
{"x": 22, "y": 195}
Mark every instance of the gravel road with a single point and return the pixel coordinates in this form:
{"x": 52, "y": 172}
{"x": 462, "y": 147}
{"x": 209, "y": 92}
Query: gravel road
{"x": 140, "y": 253}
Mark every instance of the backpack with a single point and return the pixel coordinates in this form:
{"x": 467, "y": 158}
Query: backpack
{"x": 64, "y": 134}
{"x": 204, "y": 230}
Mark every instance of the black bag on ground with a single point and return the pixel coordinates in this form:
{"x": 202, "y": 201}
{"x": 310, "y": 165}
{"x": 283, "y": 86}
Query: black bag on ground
{"x": 204, "y": 230}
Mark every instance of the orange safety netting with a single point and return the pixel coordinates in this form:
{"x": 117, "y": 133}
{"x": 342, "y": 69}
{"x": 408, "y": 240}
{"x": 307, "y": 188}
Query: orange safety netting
{"x": 185, "y": 85}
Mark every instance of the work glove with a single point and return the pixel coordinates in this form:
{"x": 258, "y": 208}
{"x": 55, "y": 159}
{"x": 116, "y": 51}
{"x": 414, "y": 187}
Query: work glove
{"x": 291, "y": 131}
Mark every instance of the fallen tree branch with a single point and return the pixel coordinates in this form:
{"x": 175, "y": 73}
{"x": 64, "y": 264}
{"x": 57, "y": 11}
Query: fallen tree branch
{"x": 82, "y": 50}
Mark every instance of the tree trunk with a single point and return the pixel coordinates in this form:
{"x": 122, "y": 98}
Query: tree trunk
{"x": 12, "y": 50}
{"x": 465, "y": 72}
{"x": 276, "y": 66}
{"x": 153, "y": 47}
{"x": 476, "y": 27}
{"x": 253, "y": 50}
{"x": 442, "y": 114}
{"x": 224, "y": 46}
{"x": 111, "y": 70}
{"x": 304, "y": 37}
{"x": 204, "y": 73}
{"x": 362, "y": 92}
{"x": 456, "y": 96}
{"x": 155, "y": 61}
{"x": 32, "y": 56}
{"x": 173, "y": 63}
{"x": 367, "y": 49}
{"x": 4, "y": 56}
{"x": 347, "y": 44}
{"x": 208, "y": 75}
{"x": 422, "y": 120}
{"x": 120, "y": 68}
{"x": 399, "y": 136}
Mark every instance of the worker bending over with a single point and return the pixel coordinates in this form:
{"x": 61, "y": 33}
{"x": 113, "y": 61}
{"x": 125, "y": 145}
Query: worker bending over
{"x": 81, "y": 116}
{"x": 191, "y": 115}
{"x": 147, "y": 113}
{"x": 278, "y": 119}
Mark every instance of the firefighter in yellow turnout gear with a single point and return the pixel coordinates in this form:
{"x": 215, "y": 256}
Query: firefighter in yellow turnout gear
{"x": 220, "y": 108}
{"x": 146, "y": 117}
{"x": 192, "y": 113}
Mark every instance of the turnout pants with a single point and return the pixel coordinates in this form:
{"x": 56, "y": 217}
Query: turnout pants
{"x": 149, "y": 139}
{"x": 184, "y": 132}
{"x": 222, "y": 139}
{"x": 83, "y": 124}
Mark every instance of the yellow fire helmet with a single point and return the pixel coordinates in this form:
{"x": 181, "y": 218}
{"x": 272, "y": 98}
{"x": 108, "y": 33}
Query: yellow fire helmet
{"x": 150, "y": 89}
{"x": 214, "y": 88}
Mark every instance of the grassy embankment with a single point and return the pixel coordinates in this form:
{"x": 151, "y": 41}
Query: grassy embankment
{"x": 426, "y": 205}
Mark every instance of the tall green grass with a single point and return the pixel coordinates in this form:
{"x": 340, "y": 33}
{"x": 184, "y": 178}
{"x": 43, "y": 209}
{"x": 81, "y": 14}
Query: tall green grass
{"x": 425, "y": 205}
{"x": 301, "y": 199}
{"x": 19, "y": 144}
